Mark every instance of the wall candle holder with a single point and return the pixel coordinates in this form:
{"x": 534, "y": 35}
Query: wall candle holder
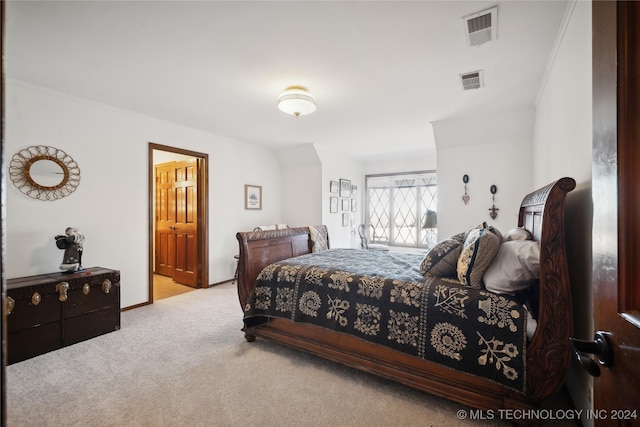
{"x": 465, "y": 198}
{"x": 493, "y": 211}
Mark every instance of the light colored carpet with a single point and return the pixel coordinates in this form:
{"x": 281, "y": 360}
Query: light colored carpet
{"x": 183, "y": 361}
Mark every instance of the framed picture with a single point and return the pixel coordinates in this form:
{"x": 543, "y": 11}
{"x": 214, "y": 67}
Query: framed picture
{"x": 252, "y": 196}
{"x": 354, "y": 205}
{"x": 333, "y": 205}
{"x": 354, "y": 190}
{"x": 345, "y": 204}
{"x": 345, "y": 188}
{"x": 345, "y": 219}
{"x": 333, "y": 187}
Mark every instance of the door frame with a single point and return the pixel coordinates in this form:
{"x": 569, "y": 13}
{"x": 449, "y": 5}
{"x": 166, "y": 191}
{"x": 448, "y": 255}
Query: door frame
{"x": 202, "y": 217}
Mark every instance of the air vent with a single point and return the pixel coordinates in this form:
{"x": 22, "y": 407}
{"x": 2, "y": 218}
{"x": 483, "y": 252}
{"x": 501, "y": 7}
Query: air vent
{"x": 481, "y": 27}
{"x": 471, "y": 80}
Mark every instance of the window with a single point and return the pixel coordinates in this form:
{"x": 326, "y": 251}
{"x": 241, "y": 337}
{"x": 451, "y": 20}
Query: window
{"x": 396, "y": 206}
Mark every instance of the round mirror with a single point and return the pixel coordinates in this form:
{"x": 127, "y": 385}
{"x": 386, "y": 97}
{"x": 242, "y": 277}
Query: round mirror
{"x": 47, "y": 173}
{"x": 44, "y": 173}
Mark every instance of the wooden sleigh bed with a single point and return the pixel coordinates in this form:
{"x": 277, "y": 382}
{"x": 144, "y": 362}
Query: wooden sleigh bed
{"x": 547, "y": 353}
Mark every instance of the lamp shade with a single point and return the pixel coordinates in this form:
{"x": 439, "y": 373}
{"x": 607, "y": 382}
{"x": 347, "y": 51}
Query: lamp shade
{"x": 430, "y": 220}
{"x": 296, "y": 101}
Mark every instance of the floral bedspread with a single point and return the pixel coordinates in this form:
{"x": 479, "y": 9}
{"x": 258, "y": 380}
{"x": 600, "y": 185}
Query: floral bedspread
{"x": 381, "y": 297}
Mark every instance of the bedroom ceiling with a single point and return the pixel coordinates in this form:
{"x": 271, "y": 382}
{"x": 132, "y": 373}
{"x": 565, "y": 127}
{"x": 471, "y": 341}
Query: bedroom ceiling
{"x": 381, "y": 71}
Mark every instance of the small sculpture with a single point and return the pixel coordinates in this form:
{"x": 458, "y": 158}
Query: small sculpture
{"x": 71, "y": 242}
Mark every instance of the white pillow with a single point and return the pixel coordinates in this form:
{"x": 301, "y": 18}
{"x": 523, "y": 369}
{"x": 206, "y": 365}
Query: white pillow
{"x": 532, "y": 324}
{"x": 519, "y": 233}
{"x": 515, "y": 267}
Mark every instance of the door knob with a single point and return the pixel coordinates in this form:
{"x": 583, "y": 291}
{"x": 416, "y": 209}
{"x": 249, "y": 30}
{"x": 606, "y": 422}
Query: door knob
{"x": 172, "y": 228}
{"x": 600, "y": 347}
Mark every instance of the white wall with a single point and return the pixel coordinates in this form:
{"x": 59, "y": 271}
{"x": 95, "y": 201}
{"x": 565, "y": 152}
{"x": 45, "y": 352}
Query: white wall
{"x": 492, "y": 150}
{"x": 562, "y": 134}
{"x": 301, "y": 185}
{"x": 110, "y": 206}
{"x": 415, "y": 163}
{"x": 562, "y": 146}
{"x": 336, "y": 167}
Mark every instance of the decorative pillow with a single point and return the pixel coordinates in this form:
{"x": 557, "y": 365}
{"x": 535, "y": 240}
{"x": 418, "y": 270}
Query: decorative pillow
{"x": 478, "y": 251}
{"x": 518, "y": 233}
{"x": 515, "y": 268}
{"x": 319, "y": 238}
{"x": 491, "y": 228}
{"x": 442, "y": 260}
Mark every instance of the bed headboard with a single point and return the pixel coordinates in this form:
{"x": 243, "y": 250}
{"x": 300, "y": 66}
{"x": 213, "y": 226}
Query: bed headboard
{"x": 542, "y": 213}
{"x": 544, "y": 200}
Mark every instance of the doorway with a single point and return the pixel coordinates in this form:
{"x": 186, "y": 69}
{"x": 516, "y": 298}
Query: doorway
{"x": 177, "y": 221}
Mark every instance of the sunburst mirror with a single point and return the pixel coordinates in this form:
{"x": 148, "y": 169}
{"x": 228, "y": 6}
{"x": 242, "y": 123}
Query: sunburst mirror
{"x": 44, "y": 173}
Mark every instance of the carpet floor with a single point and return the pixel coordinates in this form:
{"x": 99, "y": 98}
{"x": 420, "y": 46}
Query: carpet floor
{"x": 183, "y": 361}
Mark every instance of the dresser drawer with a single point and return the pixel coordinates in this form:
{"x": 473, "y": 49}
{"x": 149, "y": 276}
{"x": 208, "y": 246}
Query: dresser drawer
{"x": 92, "y": 293}
{"x": 33, "y": 306}
{"x": 32, "y": 342}
{"x": 90, "y": 325}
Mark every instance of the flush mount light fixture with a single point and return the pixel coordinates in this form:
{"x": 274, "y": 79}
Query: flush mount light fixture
{"x": 295, "y": 100}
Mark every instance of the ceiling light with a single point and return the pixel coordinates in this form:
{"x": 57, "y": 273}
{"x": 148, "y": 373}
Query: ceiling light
{"x": 295, "y": 100}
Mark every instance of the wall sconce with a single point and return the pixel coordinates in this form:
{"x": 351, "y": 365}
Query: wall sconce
{"x": 465, "y": 198}
{"x": 493, "y": 211}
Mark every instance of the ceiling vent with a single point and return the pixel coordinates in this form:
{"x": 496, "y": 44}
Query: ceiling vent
{"x": 471, "y": 80}
{"x": 481, "y": 27}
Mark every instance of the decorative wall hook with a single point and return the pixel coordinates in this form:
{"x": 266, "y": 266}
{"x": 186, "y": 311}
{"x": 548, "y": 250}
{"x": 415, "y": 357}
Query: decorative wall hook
{"x": 465, "y": 198}
{"x": 493, "y": 211}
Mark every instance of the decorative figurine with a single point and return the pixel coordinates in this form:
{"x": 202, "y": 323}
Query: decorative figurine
{"x": 71, "y": 242}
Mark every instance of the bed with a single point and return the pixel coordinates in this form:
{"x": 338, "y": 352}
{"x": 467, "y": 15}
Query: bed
{"x": 437, "y": 334}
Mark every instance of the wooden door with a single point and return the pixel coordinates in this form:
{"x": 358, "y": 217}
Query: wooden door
{"x": 185, "y": 227}
{"x": 165, "y": 217}
{"x": 616, "y": 199}
{"x": 176, "y": 221}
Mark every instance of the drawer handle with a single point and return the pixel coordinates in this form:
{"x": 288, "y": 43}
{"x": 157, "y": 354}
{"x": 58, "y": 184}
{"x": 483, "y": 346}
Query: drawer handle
{"x": 11, "y": 303}
{"x": 86, "y": 288}
{"x": 63, "y": 289}
{"x": 36, "y": 298}
{"x": 106, "y": 286}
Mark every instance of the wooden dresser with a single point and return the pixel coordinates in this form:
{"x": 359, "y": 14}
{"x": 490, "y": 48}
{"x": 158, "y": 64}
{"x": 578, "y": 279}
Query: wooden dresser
{"x": 50, "y": 311}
